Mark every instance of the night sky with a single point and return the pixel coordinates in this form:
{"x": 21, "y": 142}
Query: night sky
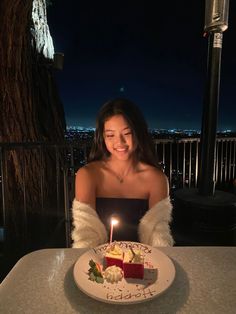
{"x": 155, "y": 56}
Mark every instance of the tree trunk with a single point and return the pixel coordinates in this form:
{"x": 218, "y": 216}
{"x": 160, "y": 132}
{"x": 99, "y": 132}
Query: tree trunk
{"x": 31, "y": 112}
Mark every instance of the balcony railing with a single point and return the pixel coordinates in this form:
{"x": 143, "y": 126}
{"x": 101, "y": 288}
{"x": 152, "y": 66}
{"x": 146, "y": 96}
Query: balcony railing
{"x": 179, "y": 157}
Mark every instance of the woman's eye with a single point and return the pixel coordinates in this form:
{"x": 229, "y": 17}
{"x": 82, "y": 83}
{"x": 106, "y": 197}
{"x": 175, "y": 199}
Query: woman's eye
{"x": 128, "y": 133}
{"x": 109, "y": 135}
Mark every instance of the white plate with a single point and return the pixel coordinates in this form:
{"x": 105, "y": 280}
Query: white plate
{"x": 159, "y": 273}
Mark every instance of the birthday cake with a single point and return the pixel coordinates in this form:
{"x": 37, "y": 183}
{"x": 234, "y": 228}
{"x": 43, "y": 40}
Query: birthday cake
{"x": 118, "y": 263}
{"x": 114, "y": 256}
{"x": 133, "y": 264}
{"x": 130, "y": 261}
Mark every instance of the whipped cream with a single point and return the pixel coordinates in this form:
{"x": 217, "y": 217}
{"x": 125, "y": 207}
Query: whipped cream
{"x": 134, "y": 256}
{"x": 113, "y": 274}
{"x": 114, "y": 249}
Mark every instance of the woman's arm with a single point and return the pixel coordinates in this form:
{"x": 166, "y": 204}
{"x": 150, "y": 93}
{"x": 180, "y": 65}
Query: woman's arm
{"x": 88, "y": 229}
{"x": 158, "y": 187}
{"x": 85, "y": 186}
{"x": 154, "y": 226}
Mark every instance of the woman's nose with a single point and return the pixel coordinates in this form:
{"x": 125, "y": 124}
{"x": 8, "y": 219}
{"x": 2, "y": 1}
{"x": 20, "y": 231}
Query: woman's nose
{"x": 121, "y": 139}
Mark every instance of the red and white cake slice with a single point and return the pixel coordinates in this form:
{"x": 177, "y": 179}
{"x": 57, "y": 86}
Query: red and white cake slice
{"x": 114, "y": 256}
{"x": 133, "y": 264}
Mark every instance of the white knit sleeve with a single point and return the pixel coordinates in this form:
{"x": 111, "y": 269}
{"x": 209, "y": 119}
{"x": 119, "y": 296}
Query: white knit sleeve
{"x": 154, "y": 226}
{"x": 88, "y": 230}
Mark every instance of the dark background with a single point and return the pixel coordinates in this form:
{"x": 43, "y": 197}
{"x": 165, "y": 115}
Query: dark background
{"x": 151, "y": 52}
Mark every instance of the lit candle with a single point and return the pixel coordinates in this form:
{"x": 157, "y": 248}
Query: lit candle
{"x": 114, "y": 222}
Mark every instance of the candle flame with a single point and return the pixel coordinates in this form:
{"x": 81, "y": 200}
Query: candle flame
{"x": 114, "y": 221}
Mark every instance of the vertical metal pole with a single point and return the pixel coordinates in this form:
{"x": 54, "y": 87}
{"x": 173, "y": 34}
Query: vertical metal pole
{"x": 216, "y": 22}
{"x": 210, "y": 115}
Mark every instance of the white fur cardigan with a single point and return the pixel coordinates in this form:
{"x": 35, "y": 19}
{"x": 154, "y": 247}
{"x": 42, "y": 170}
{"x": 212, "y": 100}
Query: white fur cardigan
{"x": 153, "y": 229}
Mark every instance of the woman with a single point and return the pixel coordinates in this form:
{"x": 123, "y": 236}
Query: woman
{"x": 123, "y": 179}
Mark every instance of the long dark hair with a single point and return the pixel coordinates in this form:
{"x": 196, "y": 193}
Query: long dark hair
{"x": 144, "y": 145}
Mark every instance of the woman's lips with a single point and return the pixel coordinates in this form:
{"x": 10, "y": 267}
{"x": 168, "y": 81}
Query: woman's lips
{"x": 121, "y": 150}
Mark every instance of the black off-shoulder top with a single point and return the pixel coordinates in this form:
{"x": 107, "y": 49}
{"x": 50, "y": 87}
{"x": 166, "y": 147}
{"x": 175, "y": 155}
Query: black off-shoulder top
{"x": 128, "y": 210}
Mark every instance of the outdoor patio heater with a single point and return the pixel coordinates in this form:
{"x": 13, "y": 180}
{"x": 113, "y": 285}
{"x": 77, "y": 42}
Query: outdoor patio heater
{"x": 216, "y": 22}
{"x": 206, "y": 216}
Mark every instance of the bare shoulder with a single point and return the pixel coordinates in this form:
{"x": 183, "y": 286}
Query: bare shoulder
{"x": 157, "y": 184}
{"x": 85, "y": 183}
{"x": 89, "y": 170}
{"x": 152, "y": 173}
{"x": 157, "y": 175}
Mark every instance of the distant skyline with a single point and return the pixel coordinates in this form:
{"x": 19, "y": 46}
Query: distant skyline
{"x": 155, "y": 57}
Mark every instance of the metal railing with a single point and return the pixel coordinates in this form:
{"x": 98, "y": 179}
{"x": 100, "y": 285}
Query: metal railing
{"x": 179, "y": 157}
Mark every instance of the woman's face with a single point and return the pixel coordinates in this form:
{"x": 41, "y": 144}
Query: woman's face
{"x": 118, "y": 137}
